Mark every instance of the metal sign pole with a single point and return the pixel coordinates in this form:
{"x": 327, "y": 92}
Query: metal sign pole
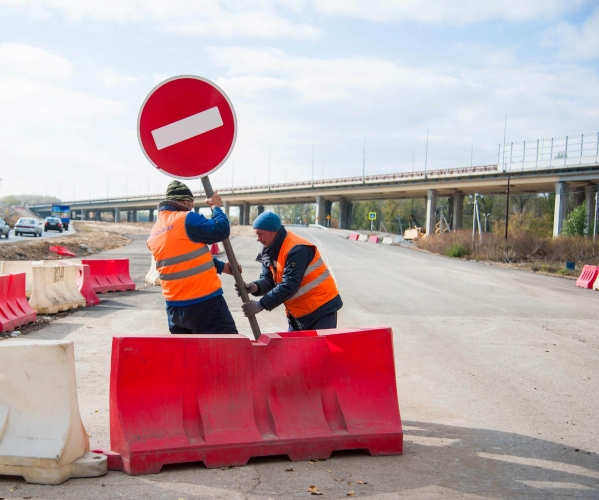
{"x": 233, "y": 263}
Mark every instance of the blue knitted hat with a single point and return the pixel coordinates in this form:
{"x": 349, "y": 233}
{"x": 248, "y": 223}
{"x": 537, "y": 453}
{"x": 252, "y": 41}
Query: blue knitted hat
{"x": 267, "y": 221}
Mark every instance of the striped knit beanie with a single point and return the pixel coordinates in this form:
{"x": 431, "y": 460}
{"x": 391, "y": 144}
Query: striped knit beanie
{"x": 177, "y": 191}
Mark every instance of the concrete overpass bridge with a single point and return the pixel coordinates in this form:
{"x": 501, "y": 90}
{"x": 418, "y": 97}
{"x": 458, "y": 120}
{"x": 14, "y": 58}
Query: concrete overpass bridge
{"x": 562, "y": 165}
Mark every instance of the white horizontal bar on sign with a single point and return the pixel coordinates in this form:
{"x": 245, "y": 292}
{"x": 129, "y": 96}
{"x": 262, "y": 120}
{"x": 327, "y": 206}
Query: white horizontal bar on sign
{"x": 189, "y": 127}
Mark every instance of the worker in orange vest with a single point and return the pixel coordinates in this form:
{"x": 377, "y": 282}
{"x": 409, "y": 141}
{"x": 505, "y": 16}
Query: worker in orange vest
{"x": 294, "y": 274}
{"x": 179, "y": 242}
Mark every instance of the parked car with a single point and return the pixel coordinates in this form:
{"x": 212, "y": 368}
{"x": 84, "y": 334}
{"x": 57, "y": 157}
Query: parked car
{"x": 4, "y": 228}
{"x": 53, "y": 223}
{"x": 27, "y": 225}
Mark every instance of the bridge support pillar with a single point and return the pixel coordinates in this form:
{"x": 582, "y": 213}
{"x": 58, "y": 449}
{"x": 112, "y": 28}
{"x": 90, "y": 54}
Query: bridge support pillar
{"x": 457, "y": 211}
{"x": 260, "y": 209}
{"x": 151, "y": 215}
{"x": 343, "y": 213}
{"x": 117, "y": 215}
{"x": 561, "y": 205}
{"x": 98, "y": 215}
{"x": 327, "y": 213}
{"x": 431, "y": 215}
{"x": 133, "y": 215}
{"x": 241, "y": 207}
{"x": 246, "y": 214}
{"x": 320, "y": 210}
{"x": 579, "y": 195}
{"x": 226, "y": 208}
{"x": 589, "y": 192}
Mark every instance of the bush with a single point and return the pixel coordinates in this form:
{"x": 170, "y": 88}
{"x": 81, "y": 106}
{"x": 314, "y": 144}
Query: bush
{"x": 521, "y": 246}
{"x": 576, "y": 223}
{"x": 457, "y": 251}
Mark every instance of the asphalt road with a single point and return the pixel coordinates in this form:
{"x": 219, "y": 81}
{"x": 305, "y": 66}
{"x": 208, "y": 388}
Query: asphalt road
{"x": 497, "y": 374}
{"x": 45, "y": 234}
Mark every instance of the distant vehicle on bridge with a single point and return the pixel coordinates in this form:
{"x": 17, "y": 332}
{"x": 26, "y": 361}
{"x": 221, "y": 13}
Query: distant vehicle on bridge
{"x": 63, "y": 212}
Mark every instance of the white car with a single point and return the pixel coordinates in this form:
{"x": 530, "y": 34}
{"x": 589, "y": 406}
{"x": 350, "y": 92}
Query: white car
{"x": 4, "y": 228}
{"x": 28, "y": 225}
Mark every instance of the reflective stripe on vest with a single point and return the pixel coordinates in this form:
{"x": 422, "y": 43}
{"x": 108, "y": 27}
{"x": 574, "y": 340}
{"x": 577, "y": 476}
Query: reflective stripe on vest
{"x": 317, "y": 287}
{"x": 186, "y": 268}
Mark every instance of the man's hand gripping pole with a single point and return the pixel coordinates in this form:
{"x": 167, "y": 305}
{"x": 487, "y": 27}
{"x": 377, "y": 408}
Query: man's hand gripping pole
{"x": 233, "y": 263}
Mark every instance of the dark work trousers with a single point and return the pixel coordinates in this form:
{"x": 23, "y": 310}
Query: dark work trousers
{"x": 209, "y": 317}
{"x": 324, "y": 323}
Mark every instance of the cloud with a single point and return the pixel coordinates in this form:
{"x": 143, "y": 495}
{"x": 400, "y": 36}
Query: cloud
{"x": 257, "y": 18}
{"x": 111, "y": 79}
{"x": 285, "y": 104}
{"x": 457, "y": 12}
{"x": 17, "y": 59}
{"x": 51, "y": 133}
{"x": 576, "y": 42}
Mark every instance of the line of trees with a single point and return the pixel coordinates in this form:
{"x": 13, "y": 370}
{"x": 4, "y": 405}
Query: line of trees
{"x": 527, "y": 212}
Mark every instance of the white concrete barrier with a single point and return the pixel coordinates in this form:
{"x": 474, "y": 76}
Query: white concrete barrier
{"x": 42, "y": 437}
{"x": 71, "y": 285}
{"x": 412, "y": 234}
{"x": 55, "y": 289}
{"x": 16, "y": 267}
{"x": 363, "y": 237}
{"x": 387, "y": 240}
{"x": 153, "y": 276}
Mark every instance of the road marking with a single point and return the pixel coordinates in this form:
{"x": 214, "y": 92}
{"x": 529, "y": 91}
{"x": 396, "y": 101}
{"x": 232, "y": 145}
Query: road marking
{"x": 187, "y": 128}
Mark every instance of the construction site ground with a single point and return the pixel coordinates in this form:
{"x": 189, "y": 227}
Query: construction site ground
{"x": 497, "y": 376}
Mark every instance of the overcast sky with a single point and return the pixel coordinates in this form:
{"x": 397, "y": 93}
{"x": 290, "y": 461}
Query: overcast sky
{"x": 300, "y": 73}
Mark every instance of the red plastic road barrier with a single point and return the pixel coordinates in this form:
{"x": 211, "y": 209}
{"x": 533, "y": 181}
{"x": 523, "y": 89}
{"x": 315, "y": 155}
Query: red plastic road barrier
{"x": 373, "y": 239}
{"x": 61, "y": 251}
{"x": 587, "y": 277}
{"x": 223, "y": 399}
{"x": 84, "y": 283}
{"x": 354, "y": 236}
{"x": 110, "y": 275}
{"x": 15, "y": 311}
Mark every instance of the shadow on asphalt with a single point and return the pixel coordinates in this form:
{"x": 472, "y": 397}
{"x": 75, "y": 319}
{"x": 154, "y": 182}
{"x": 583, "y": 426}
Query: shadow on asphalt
{"x": 467, "y": 460}
{"x": 482, "y": 460}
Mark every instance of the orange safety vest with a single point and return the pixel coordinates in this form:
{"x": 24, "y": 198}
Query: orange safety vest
{"x": 317, "y": 287}
{"x": 186, "y": 268}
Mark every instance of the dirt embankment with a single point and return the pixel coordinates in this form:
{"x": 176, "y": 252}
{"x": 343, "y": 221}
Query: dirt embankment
{"x": 90, "y": 238}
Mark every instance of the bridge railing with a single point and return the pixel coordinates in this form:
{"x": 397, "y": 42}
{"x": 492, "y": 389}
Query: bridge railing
{"x": 550, "y": 152}
{"x": 369, "y": 179}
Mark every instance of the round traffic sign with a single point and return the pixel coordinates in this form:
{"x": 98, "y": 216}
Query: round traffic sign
{"x": 187, "y": 127}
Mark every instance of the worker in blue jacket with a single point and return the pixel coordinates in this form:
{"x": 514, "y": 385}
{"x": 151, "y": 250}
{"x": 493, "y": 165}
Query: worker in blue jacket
{"x": 293, "y": 274}
{"x": 179, "y": 242}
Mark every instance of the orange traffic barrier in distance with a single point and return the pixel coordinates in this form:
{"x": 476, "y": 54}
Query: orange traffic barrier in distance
{"x": 587, "y": 277}
{"x": 354, "y": 236}
{"x": 373, "y": 239}
{"x": 109, "y": 275}
{"x": 223, "y": 399}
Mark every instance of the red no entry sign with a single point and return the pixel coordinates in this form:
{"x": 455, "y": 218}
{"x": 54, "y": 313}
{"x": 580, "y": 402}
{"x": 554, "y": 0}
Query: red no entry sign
{"x": 187, "y": 127}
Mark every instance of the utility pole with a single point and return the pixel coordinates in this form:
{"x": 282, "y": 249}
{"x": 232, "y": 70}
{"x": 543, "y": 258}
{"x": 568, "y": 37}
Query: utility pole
{"x": 426, "y": 153}
{"x": 507, "y": 206}
{"x": 503, "y": 156}
{"x": 313, "y": 148}
{"x": 364, "y": 162}
{"x": 269, "y": 170}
